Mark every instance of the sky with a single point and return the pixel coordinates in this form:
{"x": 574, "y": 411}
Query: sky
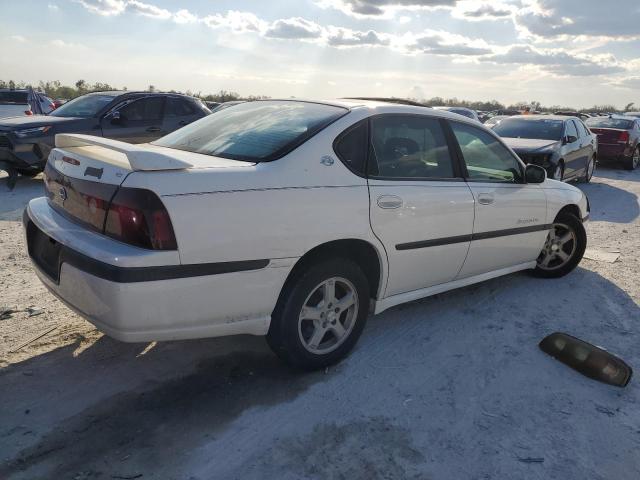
{"x": 558, "y": 52}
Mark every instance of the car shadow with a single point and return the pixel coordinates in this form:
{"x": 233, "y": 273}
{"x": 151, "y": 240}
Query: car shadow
{"x": 611, "y": 172}
{"x": 609, "y": 203}
{"x": 97, "y": 409}
{"x": 12, "y": 202}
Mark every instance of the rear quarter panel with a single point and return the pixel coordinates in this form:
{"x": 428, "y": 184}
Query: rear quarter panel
{"x": 274, "y": 210}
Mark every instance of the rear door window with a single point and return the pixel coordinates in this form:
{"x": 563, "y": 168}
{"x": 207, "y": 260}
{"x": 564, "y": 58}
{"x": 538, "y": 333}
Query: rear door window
{"x": 178, "y": 107}
{"x": 409, "y": 146}
{"x": 143, "y": 110}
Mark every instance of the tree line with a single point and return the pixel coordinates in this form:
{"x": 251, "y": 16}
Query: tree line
{"x": 55, "y": 89}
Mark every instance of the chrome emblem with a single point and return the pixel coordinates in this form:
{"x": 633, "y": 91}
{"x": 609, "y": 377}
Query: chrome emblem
{"x": 327, "y": 160}
{"x": 63, "y": 193}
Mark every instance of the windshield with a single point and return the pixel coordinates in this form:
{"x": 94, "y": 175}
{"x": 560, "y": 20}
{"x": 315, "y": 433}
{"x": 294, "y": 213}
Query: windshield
{"x": 85, "y": 106}
{"x": 254, "y": 131}
{"x": 606, "y": 122}
{"x": 535, "y": 129}
{"x": 14, "y": 98}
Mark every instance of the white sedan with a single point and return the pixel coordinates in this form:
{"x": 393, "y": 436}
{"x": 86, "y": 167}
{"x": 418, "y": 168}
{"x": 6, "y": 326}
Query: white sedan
{"x": 292, "y": 219}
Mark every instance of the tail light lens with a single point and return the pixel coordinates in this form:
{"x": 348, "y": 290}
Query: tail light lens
{"x": 28, "y": 112}
{"x": 624, "y": 137}
{"x": 139, "y": 218}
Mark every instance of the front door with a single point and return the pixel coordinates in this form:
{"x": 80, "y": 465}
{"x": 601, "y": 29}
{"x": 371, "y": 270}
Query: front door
{"x": 420, "y": 208}
{"x": 510, "y": 224}
{"x": 140, "y": 121}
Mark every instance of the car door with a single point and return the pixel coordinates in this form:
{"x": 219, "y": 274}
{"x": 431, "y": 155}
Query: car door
{"x": 138, "y": 121}
{"x": 420, "y": 207}
{"x": 589, "y": 142}
{"x": 178, "y": 112}
{"x": 509, "y": 227}
{"x": 572, "y": 150}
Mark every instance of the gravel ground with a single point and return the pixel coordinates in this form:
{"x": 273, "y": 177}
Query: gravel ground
{"x": 453, "y": 386}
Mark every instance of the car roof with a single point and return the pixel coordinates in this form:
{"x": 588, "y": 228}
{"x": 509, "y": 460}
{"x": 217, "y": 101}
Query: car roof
{"x": 532, "y": 118}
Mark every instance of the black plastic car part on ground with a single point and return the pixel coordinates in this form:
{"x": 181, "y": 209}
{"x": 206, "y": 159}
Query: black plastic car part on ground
{"x": 135, "y": 117}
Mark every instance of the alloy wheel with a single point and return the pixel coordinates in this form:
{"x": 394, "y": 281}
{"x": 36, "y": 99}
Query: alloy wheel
{"x": 328, "y": 315}
{"x": 636, "y": 158}
{"x": 557, "y": 173}
{"x": 559, "y": 248}
{"x": 590, "y": 168}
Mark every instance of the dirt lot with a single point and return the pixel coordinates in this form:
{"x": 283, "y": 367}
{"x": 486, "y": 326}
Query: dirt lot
{"x": 451, "y": 387}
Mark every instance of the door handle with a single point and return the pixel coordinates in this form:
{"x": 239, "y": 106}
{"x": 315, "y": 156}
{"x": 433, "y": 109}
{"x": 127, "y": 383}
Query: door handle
{"x": 153, "y": 129}
{"x": 389, "y": 202}
{"x": 485, "y": 198}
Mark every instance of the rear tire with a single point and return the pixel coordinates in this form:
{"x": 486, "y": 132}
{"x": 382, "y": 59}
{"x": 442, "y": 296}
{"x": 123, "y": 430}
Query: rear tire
{"x": 588, "y": 173}
{"x": 320, "y": 314}
{"x": 563, "y": 249}
{"x": 633, "y": 162}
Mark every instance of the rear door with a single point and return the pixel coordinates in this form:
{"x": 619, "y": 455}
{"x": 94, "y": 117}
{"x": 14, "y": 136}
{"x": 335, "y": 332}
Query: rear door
{"x": 179, "y": 112}
{"x": 140, "y": 121}
{"x": 420, "y": 207}
{"x": 509, "y": 228}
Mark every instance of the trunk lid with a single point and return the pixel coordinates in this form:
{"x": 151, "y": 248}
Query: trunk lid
{"x": 607, "y": 135}
{"x": 83, "y": 174}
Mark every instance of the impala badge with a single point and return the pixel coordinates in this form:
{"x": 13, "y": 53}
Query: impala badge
{"x": 63, "y": 193}
{"x": 327, "y": 160}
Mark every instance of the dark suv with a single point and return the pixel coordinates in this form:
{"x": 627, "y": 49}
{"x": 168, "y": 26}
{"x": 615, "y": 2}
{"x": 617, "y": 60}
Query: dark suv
{"x": 135, "y": 117}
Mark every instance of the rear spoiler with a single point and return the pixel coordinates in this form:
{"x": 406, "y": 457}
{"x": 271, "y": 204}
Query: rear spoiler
{"x": 139, "y": 157}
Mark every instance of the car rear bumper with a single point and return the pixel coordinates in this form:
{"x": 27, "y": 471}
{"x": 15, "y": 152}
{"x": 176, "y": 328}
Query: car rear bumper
{"x": 608, "y": 151}
{"x": 134, "y": 295}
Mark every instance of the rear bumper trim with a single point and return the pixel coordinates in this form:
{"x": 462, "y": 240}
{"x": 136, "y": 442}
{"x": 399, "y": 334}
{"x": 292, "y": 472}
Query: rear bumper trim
{"x": 120, "y": 274}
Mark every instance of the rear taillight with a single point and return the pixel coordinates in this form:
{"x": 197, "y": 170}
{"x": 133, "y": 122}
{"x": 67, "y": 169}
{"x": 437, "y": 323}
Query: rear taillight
{"x": 623, "y": 137}
{"x": 139, "y": 218}
{"x": 28, "y": 112}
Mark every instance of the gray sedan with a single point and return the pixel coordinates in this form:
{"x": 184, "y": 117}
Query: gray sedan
{"x": 564, "y": 146}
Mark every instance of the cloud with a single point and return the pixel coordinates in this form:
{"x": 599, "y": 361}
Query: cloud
{"x": 147, "y": 10}
{"x": 184, "y": 16}
{"x": 18, "y": 38}
{"x": 294, "y": 28}
{"x": 554, "y": 18}
{"x": 556, "y": 61}
{"x": 239, "y": 22}
{"x": 382, "y": 8}
{"x": 344, "y": 37}
{"x": 631, "y": 83}
{"x": 474, "y": 10}
{"x": 53, "y": 7}
{"x": 443, "y": 43}
{"x": 104, "y": 7}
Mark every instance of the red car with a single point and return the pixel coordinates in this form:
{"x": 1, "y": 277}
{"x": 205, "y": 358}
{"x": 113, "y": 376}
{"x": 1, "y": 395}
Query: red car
{"x": 618, "y": 139}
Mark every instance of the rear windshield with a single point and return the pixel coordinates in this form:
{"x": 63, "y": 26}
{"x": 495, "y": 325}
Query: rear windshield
{"x": 85, "y": 106}
{"x": 535, "y": 129}
{"x": 254, "y": 131}
{"x": 606, "y": 122}
{"x": 15, "y": 98}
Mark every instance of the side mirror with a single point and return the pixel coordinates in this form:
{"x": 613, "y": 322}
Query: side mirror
{"x": 115, "y": 118}
{"x": 570, "y": 139}
{"x": 535, "y": 174}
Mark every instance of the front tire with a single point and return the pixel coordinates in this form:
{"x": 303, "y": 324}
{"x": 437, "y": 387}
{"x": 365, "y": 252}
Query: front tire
{"x": 563, "y": 249}
{"x": 320, "y": 314}
{"x": 633, "y": 162}
{"x": 557, "y": 173}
